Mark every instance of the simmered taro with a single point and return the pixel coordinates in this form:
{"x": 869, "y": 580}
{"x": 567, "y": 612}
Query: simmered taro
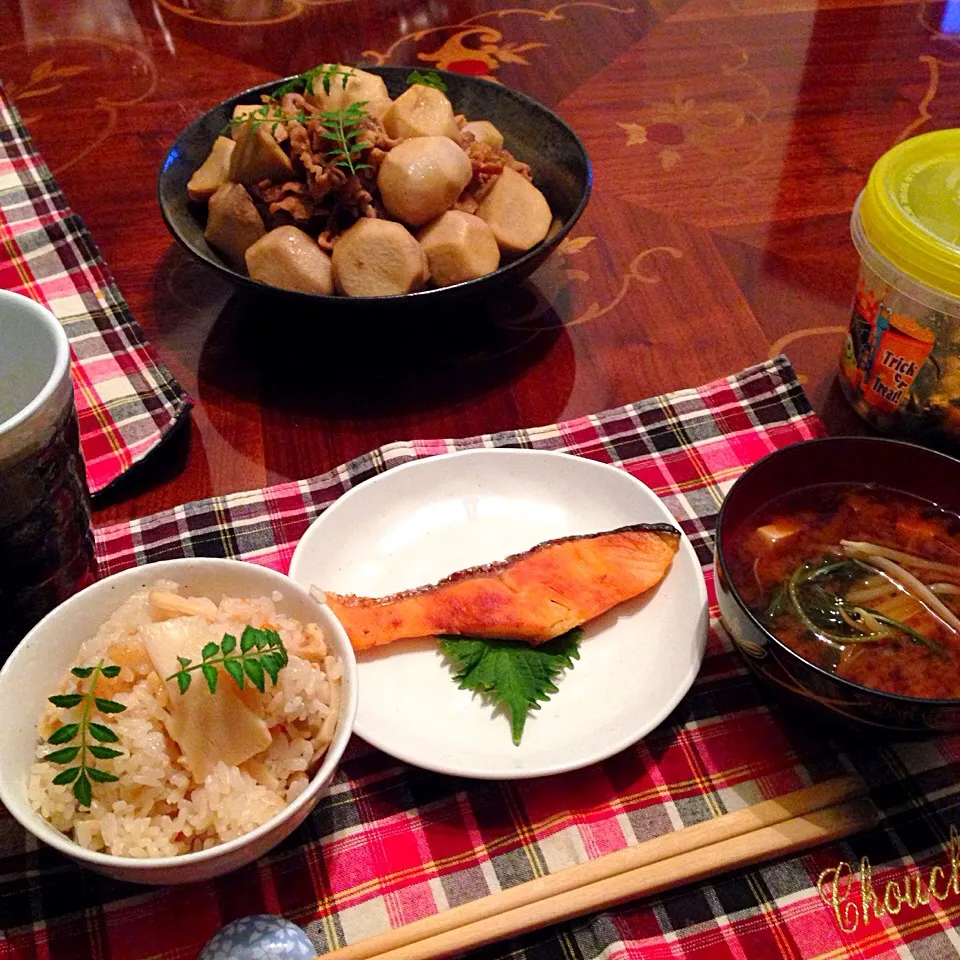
{"x": 321, "y": 186}
{"x": 860, "y": 580}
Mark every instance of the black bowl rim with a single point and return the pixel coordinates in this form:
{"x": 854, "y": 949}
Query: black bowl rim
{"x": 735, "y": 593}
{"x": 547, "y": 244}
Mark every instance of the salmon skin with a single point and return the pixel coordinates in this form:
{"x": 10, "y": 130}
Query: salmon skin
{"x": 532, "y": 596}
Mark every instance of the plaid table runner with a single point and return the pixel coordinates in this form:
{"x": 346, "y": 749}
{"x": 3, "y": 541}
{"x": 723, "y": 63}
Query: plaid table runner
{"x": 127, "y": 401}
{"x": 392, "y": 843}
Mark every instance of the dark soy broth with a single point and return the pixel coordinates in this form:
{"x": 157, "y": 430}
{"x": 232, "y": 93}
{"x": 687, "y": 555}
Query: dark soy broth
{"x": 860, "y": 580}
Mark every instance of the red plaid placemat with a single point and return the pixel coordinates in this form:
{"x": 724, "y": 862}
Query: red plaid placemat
{"x": 127, "y": 401}
{"x": 392, "y": 843}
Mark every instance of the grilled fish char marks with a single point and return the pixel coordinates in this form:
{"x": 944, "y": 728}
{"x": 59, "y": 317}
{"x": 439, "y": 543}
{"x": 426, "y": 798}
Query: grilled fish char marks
{"x": 532, "y": 596}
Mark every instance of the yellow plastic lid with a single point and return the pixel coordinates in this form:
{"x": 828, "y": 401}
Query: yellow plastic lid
{"x": 911, "y": 208}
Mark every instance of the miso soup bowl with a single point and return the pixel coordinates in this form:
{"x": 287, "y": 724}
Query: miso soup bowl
{"x": 798, "y": 683}
{"x": 38, "y": 664}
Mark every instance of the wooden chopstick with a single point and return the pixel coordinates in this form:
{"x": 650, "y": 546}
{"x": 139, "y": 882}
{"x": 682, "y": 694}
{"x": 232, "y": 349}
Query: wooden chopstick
{"x": 821, "y": 826}
{"x": 795, "y": 821}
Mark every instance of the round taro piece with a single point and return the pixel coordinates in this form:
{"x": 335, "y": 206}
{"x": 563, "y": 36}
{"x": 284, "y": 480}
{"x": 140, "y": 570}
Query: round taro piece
{"x": 484, "y": 132}
{"x": 518, "y": 213}
{"x": 347, "y": 88}
{"x": 378, "y": 258}
{"x": 260, "y": 937}
{"x": 458, "y": 247}
{"x": 421, "y": 177}
{"x": 290, "y": 259}
{"x": 421, "y": 112}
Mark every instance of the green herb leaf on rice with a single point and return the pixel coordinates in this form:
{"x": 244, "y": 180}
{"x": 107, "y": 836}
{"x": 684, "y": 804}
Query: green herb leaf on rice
{"x": 66, "y": 733}
{"x": 248, "y": 640}
{"x": 510, "y": 673}
{"x": 101, "y": 776}
{"x": 235, "y": 669}
{"x": 85, "y": 729}
{"x": 82, "y": 790}
{"x": 104, "y": 734}
{"x": 261, "y": 654}
{"x": 255, "y": 672}
{"x": 67, "y": 700}
{"x": 108, "y": 706}
{"x": 66, "y": 755}
{"x": 210, "y": 675}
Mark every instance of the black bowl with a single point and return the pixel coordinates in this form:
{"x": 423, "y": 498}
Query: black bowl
{"x": 822, "y": 695}
{"x": 532, "y": 133}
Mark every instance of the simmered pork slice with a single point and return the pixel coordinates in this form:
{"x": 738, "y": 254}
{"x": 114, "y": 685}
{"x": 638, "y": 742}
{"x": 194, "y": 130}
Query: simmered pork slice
{"x": 533, "y": 596}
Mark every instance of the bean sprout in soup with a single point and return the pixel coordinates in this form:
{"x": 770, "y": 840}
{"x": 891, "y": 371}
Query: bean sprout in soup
{"x": 860, "y": 580}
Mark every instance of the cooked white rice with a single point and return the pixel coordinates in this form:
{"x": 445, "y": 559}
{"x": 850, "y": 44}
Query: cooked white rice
{"x": 157, "y": 808}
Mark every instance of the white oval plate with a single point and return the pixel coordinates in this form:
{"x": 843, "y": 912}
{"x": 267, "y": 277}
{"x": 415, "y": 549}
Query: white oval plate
{"x": 420, "y": 522}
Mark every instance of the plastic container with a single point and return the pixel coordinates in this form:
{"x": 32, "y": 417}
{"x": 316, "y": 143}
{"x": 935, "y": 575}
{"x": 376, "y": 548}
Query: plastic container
{"x": 901, "y": 361}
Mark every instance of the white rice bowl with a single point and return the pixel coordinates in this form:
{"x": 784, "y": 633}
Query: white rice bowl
{"x": 161, "y": 821}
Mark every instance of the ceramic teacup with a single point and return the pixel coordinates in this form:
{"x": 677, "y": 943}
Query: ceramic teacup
{"x": 46, "y": 545}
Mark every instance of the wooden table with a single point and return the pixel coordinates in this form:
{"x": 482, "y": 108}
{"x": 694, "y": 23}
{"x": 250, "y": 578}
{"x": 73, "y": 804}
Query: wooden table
{"x": 729, "y": 138}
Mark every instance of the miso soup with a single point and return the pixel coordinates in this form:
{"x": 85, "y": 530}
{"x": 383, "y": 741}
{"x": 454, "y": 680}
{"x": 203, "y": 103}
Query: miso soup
{"x": 861, "y": 580}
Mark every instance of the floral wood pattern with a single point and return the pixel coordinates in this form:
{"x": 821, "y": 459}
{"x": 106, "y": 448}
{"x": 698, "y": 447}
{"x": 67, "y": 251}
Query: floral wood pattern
{"x": 925, "y": 120}
{"x": 726, "y": 131}
{"x": 556, "y": 278}
{"x": 486, "y": 57}
{"x": 44, "y": 78}
{"x": 105, "y": 64}
{"x": 635, "y": 273}
{"x": 481, "y": 60}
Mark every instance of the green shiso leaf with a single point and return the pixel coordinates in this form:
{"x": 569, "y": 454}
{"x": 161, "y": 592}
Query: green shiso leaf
{"x": 510, "y": 673}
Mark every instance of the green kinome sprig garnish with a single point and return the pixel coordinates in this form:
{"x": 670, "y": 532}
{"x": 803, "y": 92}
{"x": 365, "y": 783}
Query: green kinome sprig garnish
{"x": 301, "y": 83}
{"x": 426, "y": 78}
{"x": 304, "y": 82}
{"x": 83, "y": 773}
{"x": 266, "y": 113}
{"x": 344, "y": 127}
{"x": 261, "y": 653}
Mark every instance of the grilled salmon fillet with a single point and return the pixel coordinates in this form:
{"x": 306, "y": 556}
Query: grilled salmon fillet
{"x": 532, "y": 596}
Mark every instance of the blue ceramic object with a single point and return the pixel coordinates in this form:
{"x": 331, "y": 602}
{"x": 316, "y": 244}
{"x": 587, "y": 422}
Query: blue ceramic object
{"x": 259, "y": 938}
